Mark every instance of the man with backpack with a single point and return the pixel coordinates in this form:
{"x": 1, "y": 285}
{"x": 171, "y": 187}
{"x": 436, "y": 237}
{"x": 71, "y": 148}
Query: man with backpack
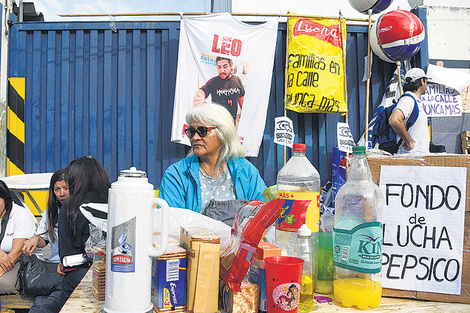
{"x": 414, "y": 139}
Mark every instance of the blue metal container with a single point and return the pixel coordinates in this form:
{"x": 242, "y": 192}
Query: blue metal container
{"x": 94, "y": 89}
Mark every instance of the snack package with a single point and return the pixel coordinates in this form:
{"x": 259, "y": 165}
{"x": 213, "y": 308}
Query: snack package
{"x": 203, "y": 246}
{"x": 251, "y": 223}
{"x": 99, "y": 277}
{"x": 245, "y": 301}
{"x": 95, "y": 248}
{"x": 168, "y": 288}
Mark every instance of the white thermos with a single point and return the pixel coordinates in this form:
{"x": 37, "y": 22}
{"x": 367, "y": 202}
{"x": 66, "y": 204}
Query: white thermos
{"x": 129, "y": 242}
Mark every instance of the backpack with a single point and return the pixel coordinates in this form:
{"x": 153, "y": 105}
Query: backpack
{"x": 380, "y": 131}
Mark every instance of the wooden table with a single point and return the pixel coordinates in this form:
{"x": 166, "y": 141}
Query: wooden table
{"x": 82, "y": 300}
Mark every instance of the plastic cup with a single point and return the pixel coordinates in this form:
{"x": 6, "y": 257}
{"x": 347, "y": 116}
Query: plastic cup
{"x": 283, "y": 276}
{"x": 326, "y": 267}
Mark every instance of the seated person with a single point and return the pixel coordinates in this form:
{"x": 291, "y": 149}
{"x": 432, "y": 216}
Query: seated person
{"x": 88, "y": 182}
{"x": 17, "y": 224}
{"x": 47, "y": 228}
{"x": 215, "y": 168}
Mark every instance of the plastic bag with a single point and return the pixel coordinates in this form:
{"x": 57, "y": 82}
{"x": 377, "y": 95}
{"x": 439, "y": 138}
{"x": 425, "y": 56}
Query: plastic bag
{"x": 251, "y": 224}
{"x": 96, "y": 243}
{"x": 187, "y": 218}
{"x": 96, "y": 214}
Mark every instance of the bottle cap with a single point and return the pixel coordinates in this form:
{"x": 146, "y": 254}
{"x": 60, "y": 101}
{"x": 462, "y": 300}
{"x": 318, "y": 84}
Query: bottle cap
{"x": 304, "y": 231}
{"x": 359, "y": 150}
{"x": 299, "y": 147}
{"x": 133, "y": 172}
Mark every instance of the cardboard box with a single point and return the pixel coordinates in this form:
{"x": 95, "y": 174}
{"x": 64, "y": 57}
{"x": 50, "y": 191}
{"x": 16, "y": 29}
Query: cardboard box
{"x": 257, "y": 272}
{"x": 168, "y": 287}
{"x": 446, "y": 160}
{"x": 203, "y": 247}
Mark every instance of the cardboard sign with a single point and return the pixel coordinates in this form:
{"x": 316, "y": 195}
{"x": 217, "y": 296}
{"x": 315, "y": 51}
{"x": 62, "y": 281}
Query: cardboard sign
{"x": 424, "y": 216}
{"x": 284, "y": 131}
{"x": 439, "y": 100}
{"x": 345, "y": 137}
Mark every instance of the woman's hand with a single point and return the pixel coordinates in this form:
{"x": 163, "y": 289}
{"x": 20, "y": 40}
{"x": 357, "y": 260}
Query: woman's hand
{"x": 6, "y": 262}
{"x": 30, "y": 244}
{"x": 60, "y": 269}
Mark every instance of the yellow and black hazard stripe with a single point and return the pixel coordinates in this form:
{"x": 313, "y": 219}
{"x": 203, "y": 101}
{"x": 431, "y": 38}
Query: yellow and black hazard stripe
{"x": 16, "y": 139}
{"x": 15, "y": 126}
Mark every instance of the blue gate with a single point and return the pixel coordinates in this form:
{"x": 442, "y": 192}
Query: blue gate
{"x": 90, "y": 89}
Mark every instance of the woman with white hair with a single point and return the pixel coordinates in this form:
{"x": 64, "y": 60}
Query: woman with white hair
{"x": 215, "y": 170}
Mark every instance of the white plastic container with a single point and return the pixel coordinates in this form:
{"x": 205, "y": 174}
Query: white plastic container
{"x": 129, "y": 243}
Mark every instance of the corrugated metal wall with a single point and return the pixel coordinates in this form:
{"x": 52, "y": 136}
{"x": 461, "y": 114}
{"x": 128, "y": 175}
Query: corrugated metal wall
{"x": 92, "y": 90}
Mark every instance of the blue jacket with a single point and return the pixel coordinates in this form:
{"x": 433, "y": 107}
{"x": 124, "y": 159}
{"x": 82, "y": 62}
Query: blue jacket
{"x": 181, "y": 189}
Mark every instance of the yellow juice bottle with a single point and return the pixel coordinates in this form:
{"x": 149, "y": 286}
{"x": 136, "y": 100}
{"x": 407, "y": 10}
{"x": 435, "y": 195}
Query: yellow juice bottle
{"x": 359, "y": 292}
{"x": 357, "y": 237}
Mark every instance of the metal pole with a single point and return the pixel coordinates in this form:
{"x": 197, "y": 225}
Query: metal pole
{"x": 366, "y": 134}
{"x": 285, "y": 85}
{"x": 234, "y": 14}
{"x": 343, "y": 44}
{"x": 20, "y": 15}
{"x": 399, "y": 78}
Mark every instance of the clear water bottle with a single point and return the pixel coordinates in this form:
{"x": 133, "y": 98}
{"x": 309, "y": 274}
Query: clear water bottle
{"x": 357, "y": 237}
{"x": 304, "y": 249}
{"x": 297, "y": 180}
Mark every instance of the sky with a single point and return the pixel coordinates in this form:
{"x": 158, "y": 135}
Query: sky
{"x": 51, "y": 8}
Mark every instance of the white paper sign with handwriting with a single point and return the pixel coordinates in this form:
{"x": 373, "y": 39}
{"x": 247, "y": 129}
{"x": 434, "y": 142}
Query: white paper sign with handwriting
{"x": 424, "y": 215}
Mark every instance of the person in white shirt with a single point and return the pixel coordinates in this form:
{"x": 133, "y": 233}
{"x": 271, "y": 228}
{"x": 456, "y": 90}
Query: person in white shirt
{"x": 47, "y": 228}
{"x": 416, "y": 138}
{"x": 17, "y": 224}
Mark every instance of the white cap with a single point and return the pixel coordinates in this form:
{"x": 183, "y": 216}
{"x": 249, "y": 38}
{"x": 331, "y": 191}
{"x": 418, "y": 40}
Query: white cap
{"x": 415, "y": 74}
{"x": 304, "y": 231}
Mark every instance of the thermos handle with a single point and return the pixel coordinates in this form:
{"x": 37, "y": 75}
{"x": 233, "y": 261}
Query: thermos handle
{"x": 165, "y": 221}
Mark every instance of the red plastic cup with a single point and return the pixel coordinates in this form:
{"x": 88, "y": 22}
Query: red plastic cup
{"x": 283, "y": 276}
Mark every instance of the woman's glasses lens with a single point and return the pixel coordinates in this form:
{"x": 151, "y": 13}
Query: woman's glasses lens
{"x": 201, "y": 131}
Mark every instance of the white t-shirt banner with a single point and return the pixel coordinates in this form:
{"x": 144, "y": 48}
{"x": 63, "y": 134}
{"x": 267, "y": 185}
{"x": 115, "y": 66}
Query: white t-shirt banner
{"x": 240, "y": 81}
{"x": 284, "y": 131}
{"x": 424, "y": 218}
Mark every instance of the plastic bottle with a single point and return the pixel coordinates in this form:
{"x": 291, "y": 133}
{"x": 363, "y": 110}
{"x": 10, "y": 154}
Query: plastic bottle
{"x": 304, "y": 250}
{"x": 297, "y": 180}
{"x": 357, "y": 237}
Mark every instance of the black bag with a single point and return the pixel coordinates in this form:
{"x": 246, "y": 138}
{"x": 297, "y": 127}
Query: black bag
{"x": 224, "y": 210}
{"x": 37, "y": 277}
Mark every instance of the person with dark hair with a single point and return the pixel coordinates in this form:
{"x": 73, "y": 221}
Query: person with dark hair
{"x": 226, "y": 89}
{"x": 416, "y": 138}
{"x": 88, "y": 183}
{"x": 17, "y": 225}
{"x": 47, "y": 228}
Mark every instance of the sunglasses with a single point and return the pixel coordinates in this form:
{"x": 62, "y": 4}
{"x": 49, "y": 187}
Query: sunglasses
{"x": 201, "y": 131}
